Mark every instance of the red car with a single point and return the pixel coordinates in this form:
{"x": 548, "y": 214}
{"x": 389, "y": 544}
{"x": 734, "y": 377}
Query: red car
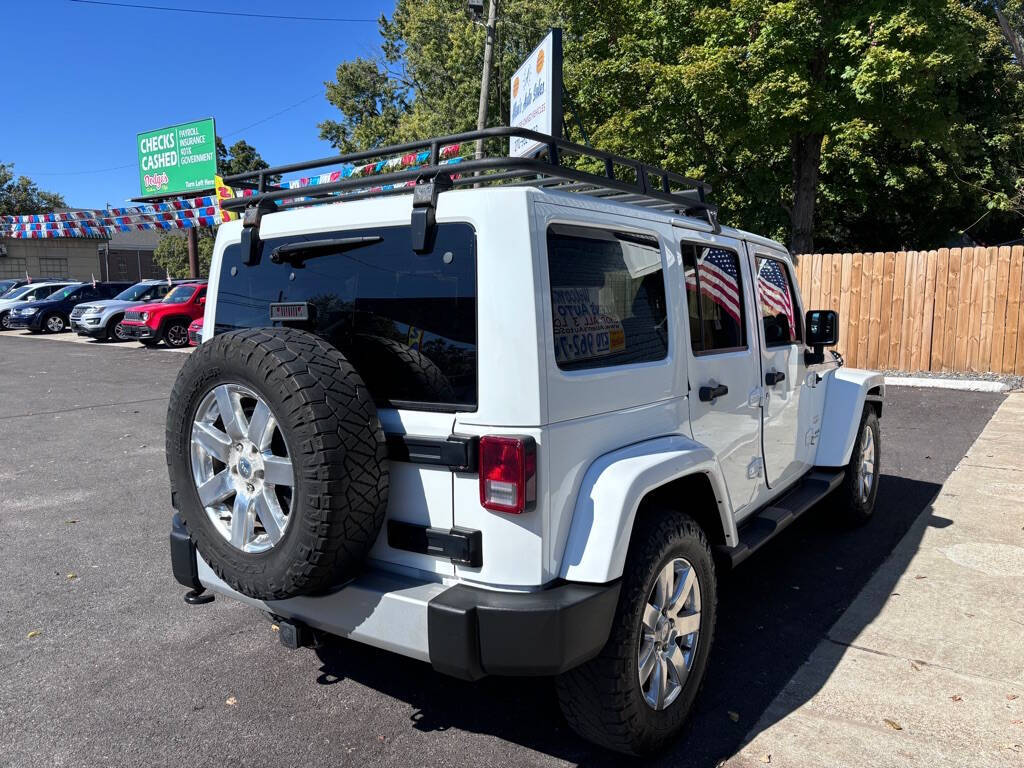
{"x": 167, "y": 320}
{"x": 195, "y": 333}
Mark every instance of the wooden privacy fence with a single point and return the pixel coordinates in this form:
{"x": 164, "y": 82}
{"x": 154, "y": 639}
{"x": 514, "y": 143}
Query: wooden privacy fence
{"x": 954, "y": 309}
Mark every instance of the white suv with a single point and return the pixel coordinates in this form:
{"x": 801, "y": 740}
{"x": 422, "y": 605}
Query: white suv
{"x": 511, "y": 429}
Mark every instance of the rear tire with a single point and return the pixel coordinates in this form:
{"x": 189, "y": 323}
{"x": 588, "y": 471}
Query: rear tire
{"x": 54, "y": 324}
{"x": 857, "y": 494}
{"x": 606, "y": 700}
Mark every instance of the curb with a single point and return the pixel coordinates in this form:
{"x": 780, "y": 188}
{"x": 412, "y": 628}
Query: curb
{"x": 967, "y": 385}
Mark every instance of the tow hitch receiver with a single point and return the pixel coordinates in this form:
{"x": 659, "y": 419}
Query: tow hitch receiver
{"x": 295, "y": 635}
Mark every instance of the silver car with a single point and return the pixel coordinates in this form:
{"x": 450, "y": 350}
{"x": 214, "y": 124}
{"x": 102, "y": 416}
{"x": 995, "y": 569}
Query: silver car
{"x": 102, "y": 319}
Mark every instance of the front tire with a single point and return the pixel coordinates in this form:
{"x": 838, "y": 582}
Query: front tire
{"x": 636, "y": 695}
{"x": 5, "y": 321}
{"x": 115, "y": 331}
{"x": 176, "y": 334}
{"x": 857, "y": 494}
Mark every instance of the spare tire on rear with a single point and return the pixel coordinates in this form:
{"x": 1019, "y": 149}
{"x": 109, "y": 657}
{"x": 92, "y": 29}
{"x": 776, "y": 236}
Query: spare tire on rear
{"x": 277, "y": 461}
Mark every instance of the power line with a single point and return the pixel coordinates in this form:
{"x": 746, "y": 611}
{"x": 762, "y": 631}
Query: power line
{"x": 223, "y": 13}
{"x": 276, "y": 114}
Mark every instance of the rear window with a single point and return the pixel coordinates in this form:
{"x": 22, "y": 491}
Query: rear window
{"x": 607, "y": 297}
{"x": 406, "y": 320}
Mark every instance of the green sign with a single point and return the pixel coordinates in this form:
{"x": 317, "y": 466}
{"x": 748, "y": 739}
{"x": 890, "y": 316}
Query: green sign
{"x": 181, "y": 159}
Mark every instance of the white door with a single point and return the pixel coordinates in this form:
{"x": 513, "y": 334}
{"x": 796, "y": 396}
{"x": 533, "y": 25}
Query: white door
{"x": 788, "y": 442}
{"x": 724, "y": 364}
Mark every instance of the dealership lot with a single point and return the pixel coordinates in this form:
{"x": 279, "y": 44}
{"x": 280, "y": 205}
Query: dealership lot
{"x": 119, "y": 671}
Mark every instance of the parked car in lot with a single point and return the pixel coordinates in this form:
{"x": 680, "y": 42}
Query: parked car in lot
{"x": 166, "y": 320}
{"x": 102, "y": 319}
{"x": 22, "y": 295}
{"x": 6, "y": 286}
{"x": 195, "y": 333}
{"x": 510, "y": 430}
{"x": 51, "y": 315}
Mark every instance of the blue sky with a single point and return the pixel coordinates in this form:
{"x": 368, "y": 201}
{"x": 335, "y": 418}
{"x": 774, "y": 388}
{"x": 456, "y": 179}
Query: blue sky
{"x": 80, "y": 81}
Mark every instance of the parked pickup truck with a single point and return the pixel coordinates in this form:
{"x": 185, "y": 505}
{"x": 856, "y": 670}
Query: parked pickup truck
{"x": 512, "y": 424}
{"x": 167, "y": 320}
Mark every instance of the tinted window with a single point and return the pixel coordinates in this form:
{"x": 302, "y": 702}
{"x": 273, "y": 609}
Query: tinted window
{"x": 66, "y": 293}
{"x": 6, "y": 286}
{"x": 714, "y": 297}
{"x": 778, "y": 308}
{"x": 407, "y": 321}
{"x": 607, "y": 297}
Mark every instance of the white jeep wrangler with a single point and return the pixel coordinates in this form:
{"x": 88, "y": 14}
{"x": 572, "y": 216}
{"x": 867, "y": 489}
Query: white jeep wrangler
{"x": 510, "y": 429}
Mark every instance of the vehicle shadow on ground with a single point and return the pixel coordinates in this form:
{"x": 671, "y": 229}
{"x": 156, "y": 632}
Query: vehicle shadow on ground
{"x": 773, "y": 611}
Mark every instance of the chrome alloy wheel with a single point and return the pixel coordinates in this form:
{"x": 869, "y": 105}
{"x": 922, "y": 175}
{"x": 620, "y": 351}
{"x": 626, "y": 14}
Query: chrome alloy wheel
{"x": 866, "y": 471}
{"x": 55, "y": 324}
{"x": 670, "y": 629}
{"x": 241, "y": 467}
{"x": 119, "y": 333}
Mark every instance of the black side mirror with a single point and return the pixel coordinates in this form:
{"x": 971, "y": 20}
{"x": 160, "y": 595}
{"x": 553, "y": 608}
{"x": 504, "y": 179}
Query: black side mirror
{"x": 822, "y": 331}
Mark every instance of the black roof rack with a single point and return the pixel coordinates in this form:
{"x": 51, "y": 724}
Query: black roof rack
{"x": 560, "y": 165}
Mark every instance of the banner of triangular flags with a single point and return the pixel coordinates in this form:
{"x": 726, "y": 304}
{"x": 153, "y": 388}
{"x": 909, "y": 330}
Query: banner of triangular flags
{"x": 202, "y": 211}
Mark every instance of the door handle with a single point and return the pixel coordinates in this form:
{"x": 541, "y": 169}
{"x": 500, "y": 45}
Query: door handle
{"x": 710, "y": 394}
{"x": 774, "y": 377}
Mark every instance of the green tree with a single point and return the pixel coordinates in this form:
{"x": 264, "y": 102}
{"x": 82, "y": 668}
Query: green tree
{"x": 820, "y": 122}
{"x": 171, "y": 253}
{"x": 20, "y": 195}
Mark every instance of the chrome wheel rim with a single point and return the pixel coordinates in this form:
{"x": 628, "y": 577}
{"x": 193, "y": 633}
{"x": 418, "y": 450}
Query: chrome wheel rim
{"x": 119, "y": 333}
{"x": 866, "y": 472}
{"x": 242, "y": 468}
{"x": 5, "y": 321}
{"x": 669, "y": 632}
{"x": 177, "y": 335}
{"x": 55, "y": 324}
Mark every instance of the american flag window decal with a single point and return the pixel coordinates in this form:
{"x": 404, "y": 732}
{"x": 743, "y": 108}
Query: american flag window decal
{"x": 714, "y": 291}
{"x": 778, "y": 310}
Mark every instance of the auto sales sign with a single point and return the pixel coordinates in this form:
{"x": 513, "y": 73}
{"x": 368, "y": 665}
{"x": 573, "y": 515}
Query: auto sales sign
{"x": 536, "y": 94}
{"x": 181, "y": 159}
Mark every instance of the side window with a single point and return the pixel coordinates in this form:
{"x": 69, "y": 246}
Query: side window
{"x": 714, "y": 297}
{"x": 607, "y": 297}
{"x": 201, "y": 294}
{"x": 157, "y": 292}
{"x": 778, "y": 307}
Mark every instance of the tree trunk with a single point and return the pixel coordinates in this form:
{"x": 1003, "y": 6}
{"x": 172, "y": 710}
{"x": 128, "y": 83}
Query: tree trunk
{"x": 806, "y": 159}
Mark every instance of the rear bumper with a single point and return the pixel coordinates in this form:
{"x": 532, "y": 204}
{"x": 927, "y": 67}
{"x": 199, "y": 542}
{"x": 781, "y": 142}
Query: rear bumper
{"x": 138, "y": 331}
{"x": 464, "y": 631}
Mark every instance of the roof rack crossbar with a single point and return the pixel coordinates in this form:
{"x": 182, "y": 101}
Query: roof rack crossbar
{"x": 652, "y": 186}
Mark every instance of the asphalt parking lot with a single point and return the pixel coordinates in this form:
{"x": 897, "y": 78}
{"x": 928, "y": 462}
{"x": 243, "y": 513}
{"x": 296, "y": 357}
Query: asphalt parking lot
{"x": 119, "y": 671}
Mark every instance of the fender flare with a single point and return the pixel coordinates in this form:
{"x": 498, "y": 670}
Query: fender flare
{"x": 611, "y": 492}
{"x": 844, "y": 402}
{"x": 164, "y": 322}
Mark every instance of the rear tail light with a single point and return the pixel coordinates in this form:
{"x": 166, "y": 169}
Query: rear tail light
{"x": 508, "y": 473}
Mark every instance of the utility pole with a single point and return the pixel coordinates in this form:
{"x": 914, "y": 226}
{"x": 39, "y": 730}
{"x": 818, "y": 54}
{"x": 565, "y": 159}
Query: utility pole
{"x": 485, "y": 79}
{"x": 193, "y": 252}
{"x": 1010, "y": 34}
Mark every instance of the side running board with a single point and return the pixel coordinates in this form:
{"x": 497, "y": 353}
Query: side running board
{"x": 762, "y": 527}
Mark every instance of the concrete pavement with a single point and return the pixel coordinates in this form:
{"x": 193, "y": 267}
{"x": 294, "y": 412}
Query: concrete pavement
{"x": 926, "y": 666}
